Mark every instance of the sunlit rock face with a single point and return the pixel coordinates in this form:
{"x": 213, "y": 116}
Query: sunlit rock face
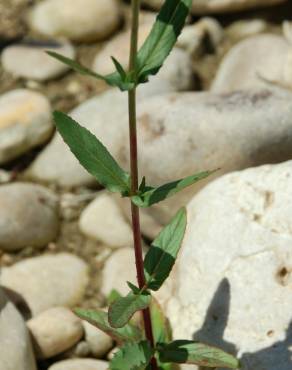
{"x": 233, "y": 280}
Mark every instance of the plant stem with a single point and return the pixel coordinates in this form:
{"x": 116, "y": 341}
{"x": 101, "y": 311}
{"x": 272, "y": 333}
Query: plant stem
{"x": 135, "y": 177}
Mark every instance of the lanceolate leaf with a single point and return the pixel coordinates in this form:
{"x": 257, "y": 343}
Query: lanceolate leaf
{"x": 98, "y": 318}
{"x": 132, "y": 356}
{"x": 151, "y": 195}
{"x": 163, "y": 251}
{"x": 189, "y": 352}
{"x": 92, "y": 154}
{"x": 113, "y": 79}
{"x": 121, "y": 311}
{"x": 162, "y": 37}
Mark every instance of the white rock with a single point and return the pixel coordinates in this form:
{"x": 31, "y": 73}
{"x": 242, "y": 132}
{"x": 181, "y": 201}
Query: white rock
{"x": 29, "y": 216}
{"x": 15, "y": 344}
{"x": 25, "y": 122}
{"x": 29, "y": 60}
{"x": 220, "y": 6}
{"x": 80, "y": 364}
{"x": 103, "y": 220}
{"x": 177, "y": 69}
{"x": 115, "y": 275}
{"x": 119, "y": 47}
{"x": 99, "y": 342}
{"x": 255, "y": 62}
{"x": 193, "y": 36}
{"x": 87, "y": 20}
{"x": 57, "y": 164}
{"x": 55, "y": 331}
{"x": 247, "y": 28}
{"x": 234, "y": 274}
{"x": 48, "y": 281}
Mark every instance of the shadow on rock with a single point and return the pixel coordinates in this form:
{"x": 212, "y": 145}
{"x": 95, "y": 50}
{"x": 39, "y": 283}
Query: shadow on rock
{"x": 276, "y": 357}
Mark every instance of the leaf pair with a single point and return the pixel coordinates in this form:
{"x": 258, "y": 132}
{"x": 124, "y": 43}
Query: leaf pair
{"x": 158, "y": 264}
{"x": 118, "y": 78}
{"x": 97, "y": 160}
{"x": 153, "y": 52}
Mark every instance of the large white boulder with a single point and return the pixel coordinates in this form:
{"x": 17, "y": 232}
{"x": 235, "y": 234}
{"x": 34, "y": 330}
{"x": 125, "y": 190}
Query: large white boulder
{"x": 233, "y": 281}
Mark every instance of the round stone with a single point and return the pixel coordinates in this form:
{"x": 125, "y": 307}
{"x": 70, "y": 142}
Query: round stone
{"x": 54, "y": 331}
{"x": 25, "y": 122}
{"x": 99, "y": 342}
{"x": 103, "y": 220}
{"x": 29, "y": 216}
{"x": 48, "y": 281}
{"x": 87, "y": 20}
{"x": 115, "y": 275}
{"x": 30, "y": 60}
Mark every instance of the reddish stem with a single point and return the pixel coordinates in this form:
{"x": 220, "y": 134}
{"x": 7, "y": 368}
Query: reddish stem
{"x": 135, "y": 178}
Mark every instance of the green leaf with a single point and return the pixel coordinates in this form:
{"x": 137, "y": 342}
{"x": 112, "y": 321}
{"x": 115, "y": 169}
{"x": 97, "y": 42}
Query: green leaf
{"x": 161, "y": 327}
{"x": 163, "y": 251}
{"x": 113, "y": 79}
{"x": 162, "y": 37}
{"x": 151, "y": 195}
{"x": 119, "y": 68}
{"x": 92, "y": 154}
{"x": 189, "y": 352}
{"x": 132, "y": 356}
{"x": 112, "y": 296}
{"x": 133, "y": 288}
{"x": 121, "y": 311}
{"x": 99, "y": 319}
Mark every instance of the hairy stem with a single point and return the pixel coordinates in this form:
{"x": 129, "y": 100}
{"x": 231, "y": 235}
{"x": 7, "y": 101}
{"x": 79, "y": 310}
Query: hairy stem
{"x": 135, "y": 177}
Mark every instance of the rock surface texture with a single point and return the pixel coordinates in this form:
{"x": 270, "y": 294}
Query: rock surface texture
{"x": 103, "y": 220}
{"x": 25, "y": 122}
{"x": 48, "y": 281}
{"x": 87, "y": 20}
{"x": 29, "y": 216}
{"x": 15, "y": 344}
{"x": 232, "y": 284}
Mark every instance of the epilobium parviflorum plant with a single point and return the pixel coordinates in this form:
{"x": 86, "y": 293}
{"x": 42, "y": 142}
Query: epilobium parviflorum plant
{"x": 152, "y": 347}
